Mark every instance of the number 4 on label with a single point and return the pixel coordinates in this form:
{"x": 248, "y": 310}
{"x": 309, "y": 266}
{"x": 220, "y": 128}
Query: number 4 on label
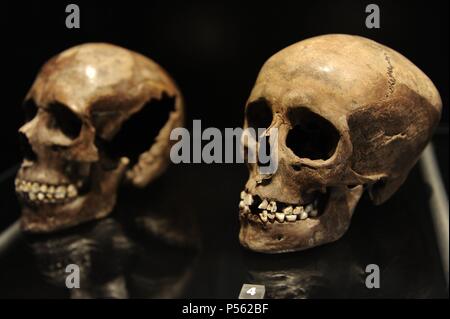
{"x": 252, "y": 291}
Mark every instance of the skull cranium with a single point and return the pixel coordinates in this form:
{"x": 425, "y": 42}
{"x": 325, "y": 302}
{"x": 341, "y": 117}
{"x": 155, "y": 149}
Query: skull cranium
{"x": 351, "y": 115}
{"x": 84, "y": 131}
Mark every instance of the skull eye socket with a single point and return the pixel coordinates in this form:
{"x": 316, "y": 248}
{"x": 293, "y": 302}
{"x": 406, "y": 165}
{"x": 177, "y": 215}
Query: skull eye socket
{"x": 259, "y": 114}
{"x": 138, "y": 133}
{"x": 312, "y": 136}
{"x": 30, "y": 109}
{"x": 65, "y": 120}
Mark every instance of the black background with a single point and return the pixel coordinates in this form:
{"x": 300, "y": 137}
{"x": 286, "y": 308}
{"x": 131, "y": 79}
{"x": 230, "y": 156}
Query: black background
{"x": 213, "y": 49}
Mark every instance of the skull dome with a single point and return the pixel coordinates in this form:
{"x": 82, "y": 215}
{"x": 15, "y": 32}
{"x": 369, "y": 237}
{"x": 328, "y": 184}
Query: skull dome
{"x": 97, "y": 115}
{"x": 352, "y": 115}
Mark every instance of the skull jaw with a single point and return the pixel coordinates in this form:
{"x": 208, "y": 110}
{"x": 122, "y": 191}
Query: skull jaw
{"x": 97, "y": 203}
{"x": 50, "y": 219}
{"x": 289, "y": 237}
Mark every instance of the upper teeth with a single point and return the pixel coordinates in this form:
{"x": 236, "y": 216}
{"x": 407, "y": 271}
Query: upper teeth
{"x": 272, "y": 206}
{"x": 263, "y": 204}
{"x": 248, "y": 199}
{"x": 45, "y": 193}
{"x": 269, "y": 210}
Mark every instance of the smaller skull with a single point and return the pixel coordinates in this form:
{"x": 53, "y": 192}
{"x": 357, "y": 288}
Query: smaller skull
{"x": 97, "y": 115}
{"x": 351, "y": 115}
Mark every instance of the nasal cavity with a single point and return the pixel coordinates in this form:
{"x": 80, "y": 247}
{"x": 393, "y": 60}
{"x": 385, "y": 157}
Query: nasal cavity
{"x": 264, "y": 151}
{"x": 259, "y": 114}
{"x": 26, "y": 148}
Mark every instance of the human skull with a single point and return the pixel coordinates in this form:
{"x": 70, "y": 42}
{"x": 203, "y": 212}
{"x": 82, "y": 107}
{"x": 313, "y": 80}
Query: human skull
{"x": 97, "y": 115}
{"x": 351, "y": 115}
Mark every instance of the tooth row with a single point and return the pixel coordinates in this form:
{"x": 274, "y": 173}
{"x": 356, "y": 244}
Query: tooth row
{"x": 270, "y": 213}
{"x": 45, "y": 192}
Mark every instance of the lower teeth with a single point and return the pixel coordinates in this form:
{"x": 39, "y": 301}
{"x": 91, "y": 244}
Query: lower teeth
{"x": 269, "y": 210}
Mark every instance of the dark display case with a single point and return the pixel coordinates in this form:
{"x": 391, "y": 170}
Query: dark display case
{"x": 184, "y": 244}
{"x": 178, "y": 238}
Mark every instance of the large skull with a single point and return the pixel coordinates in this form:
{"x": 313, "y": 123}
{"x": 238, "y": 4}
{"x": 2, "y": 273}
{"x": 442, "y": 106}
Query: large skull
{"x": 351, "y": 115}
{"x": 97, "y": 114}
